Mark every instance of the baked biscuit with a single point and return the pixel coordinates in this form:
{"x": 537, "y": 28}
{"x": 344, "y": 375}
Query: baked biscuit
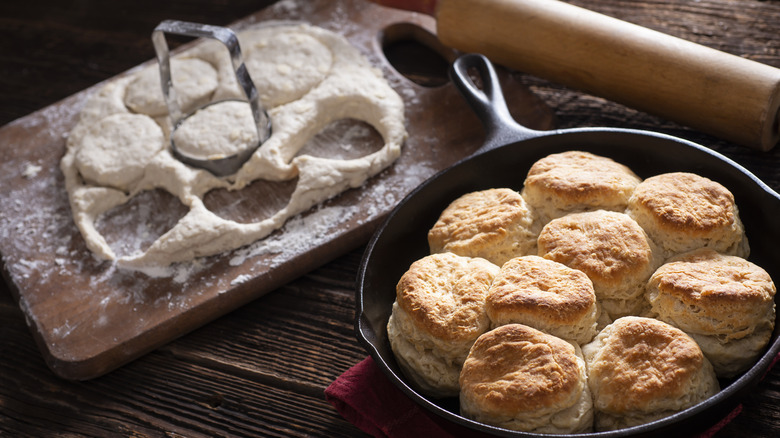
{"x": 495, "y": 224}
{"x": 438, "y": 314}
{"x": 642, "y": 369}
{"x": 725, "y": 303}
{"x": 576, "y": 181}
{"x": 545, "y": 295}
{"x": 519, "y": 378}
{"x": 612, "y": 249}
{"x": 684, "y": 211}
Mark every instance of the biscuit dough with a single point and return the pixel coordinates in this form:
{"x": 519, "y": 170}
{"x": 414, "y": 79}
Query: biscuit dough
{"x": 307, "y": 77}
{"x": 100, "y": 163}
{"x": 218, "y": 130}
{"x": 193, "y": 79}
{"x": 284, "y": 66}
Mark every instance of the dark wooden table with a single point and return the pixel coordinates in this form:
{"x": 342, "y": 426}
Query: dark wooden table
{"x": 262, "y": 370}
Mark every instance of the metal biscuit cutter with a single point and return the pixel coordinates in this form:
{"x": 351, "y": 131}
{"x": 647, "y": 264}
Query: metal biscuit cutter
{"x": 221, "y": 166}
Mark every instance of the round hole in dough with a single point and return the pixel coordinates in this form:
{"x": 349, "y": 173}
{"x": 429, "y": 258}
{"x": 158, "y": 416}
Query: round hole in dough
{"x": 219, "y": 130}
{"x": 131, "y": 227}
{"x": 256, "y": 202}
{"x": 194, "y": 80}
{"x": 344, "y": 139}
{"x": 116, "y": 149}
{"x": 285, "y": 66}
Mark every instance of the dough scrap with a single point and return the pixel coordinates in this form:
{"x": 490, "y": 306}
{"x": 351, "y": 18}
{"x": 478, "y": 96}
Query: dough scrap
{"x": 307, "y": 76}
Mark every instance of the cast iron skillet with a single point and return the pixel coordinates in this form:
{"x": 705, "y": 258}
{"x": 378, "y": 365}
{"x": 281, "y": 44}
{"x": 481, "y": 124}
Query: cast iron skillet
{"x": 503, "y": 161}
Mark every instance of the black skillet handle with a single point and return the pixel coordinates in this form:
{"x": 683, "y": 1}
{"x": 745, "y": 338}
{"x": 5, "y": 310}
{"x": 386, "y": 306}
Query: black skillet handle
{"x": 488, "y": 103}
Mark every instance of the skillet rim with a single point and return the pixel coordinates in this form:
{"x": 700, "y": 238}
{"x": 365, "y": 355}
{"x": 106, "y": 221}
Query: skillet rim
{"x": 724, "y": 400}
{"x": 505, "y": 133}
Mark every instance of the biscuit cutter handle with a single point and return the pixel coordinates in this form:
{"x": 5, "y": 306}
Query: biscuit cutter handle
{"x": 226, "y": 165}
{"x": 721, "y": 94}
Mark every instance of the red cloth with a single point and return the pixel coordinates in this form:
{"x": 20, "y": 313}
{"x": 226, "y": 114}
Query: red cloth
{"x": 368, "y": 399}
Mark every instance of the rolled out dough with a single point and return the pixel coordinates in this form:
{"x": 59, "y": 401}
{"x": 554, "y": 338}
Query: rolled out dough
{"x": 306, "y": 76}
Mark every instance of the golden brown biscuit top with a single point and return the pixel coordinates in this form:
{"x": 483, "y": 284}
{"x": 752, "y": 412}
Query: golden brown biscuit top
{"x": 580, "y": 177}
{"x": 607, "y": 246}
{"x": 643, "y": 360}
{"x": 685, "y": 201}
{"x": 516, "y": 368}
{"x": 707, "y": 278}
{"x": 544, "y": 288}
{"x": 444, "y": 294}
{"x": 477, "y": 219}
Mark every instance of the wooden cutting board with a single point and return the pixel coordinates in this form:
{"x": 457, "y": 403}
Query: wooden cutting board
{"x": 89, "y": 317}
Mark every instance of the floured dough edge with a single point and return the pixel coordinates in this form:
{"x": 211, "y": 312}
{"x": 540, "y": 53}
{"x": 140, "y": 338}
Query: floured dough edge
{"x": 352, "y": 89}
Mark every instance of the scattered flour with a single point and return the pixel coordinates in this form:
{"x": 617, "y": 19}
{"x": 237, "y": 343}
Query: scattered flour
{"x": 243, "y": 278}
{"x": 42, "y": 251}
{"x": 31, "y": 170}
{"x": 318, "y": 78}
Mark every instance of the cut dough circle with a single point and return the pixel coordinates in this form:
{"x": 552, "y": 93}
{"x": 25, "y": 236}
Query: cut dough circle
{"x": 194, "y": 80}
{"x": 285, "y": 66}
{"x": 217, "y": 131}
{"x": 116, "y": 150}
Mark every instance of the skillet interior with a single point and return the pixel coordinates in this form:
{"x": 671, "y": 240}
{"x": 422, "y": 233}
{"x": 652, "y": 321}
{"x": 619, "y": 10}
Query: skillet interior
{"x": 402, "y": 239}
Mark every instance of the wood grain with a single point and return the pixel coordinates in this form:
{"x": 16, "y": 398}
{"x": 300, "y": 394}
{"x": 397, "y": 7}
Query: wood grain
{"x": 267, "y": 394}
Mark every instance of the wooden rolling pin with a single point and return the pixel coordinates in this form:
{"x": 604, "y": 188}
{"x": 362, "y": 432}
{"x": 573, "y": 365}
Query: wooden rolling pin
{"x": 715, "y": 92}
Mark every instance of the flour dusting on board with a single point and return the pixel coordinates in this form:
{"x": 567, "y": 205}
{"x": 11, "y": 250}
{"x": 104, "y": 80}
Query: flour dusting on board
{"x": 74, "y": 300}
{"x": 298, "y": 235}
{"x": 243, "y": 278}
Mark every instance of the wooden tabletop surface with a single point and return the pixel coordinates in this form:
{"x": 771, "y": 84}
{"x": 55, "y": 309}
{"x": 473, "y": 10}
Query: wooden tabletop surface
{"x": 262, "y": 369}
